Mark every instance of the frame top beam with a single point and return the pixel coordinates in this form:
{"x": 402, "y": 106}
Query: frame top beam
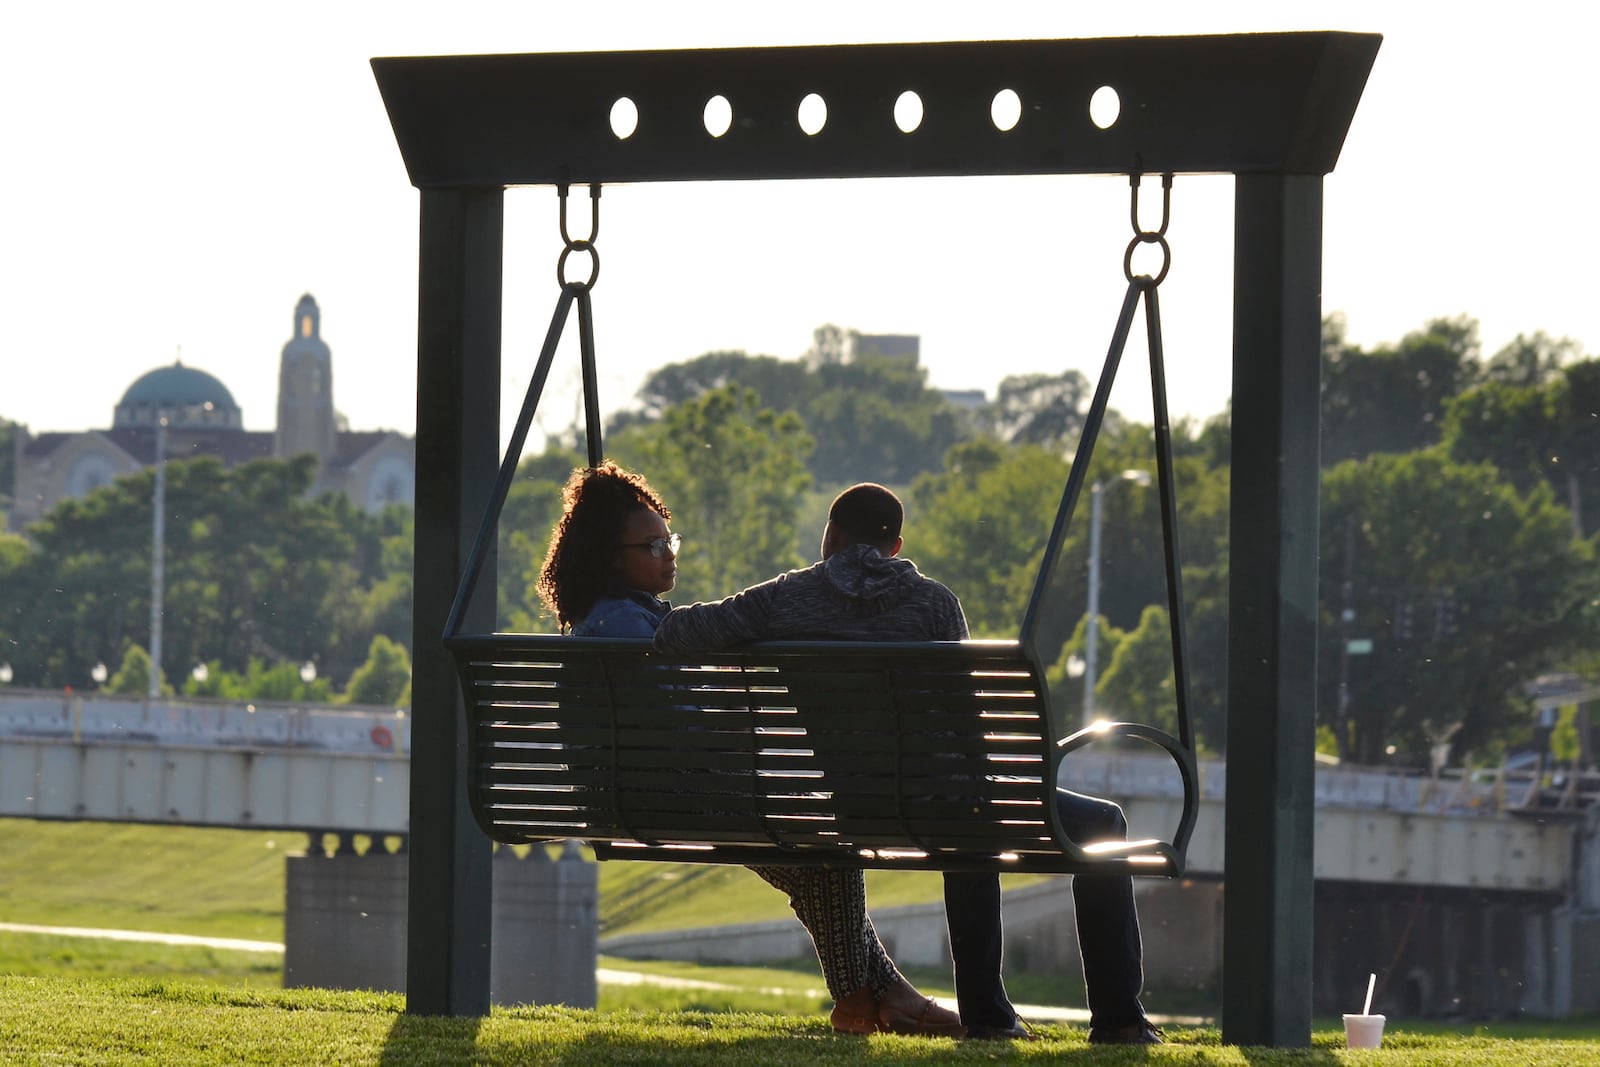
{"x": 1250, "y": 103}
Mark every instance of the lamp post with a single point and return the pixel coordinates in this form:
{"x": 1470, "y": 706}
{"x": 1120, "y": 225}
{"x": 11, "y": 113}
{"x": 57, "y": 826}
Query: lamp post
{"x": 158, "y": 553}
{"x": 1092, "y": 635}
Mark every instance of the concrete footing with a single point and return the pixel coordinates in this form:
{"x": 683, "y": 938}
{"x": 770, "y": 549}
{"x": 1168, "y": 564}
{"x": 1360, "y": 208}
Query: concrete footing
{"x": 345, "y": 924}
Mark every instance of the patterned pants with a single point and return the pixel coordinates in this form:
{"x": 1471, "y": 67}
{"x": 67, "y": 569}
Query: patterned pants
{"x": 832, "y": 906}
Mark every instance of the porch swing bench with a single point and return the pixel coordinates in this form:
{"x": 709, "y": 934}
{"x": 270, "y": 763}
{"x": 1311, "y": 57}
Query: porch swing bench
{"x": 938, "y": 756}
{"x": 935, "y": 755}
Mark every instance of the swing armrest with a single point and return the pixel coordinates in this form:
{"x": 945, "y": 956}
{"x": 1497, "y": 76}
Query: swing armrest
{"x": 1176, "y": 851}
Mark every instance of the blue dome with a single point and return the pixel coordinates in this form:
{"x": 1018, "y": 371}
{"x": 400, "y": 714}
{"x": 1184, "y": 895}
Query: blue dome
{"x": 178, "y": 386}
{"x": 184, "y": 397}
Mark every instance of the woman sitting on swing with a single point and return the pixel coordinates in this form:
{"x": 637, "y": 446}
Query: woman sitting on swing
{"x": 612, "y": 555}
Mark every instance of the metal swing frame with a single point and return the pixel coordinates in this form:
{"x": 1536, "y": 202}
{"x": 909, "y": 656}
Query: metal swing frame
{"x": 1270, "y": 109}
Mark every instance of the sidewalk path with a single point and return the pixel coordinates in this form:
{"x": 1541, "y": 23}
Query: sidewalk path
{"x": 605, "y": 975}
{"x": 149, "y": 936}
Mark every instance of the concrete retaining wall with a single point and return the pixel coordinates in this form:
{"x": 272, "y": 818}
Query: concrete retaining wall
{"x": 345, "y": 925}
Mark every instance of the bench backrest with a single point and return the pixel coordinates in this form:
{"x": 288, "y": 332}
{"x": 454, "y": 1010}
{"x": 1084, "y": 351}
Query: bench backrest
{"x": 856, "y": 752}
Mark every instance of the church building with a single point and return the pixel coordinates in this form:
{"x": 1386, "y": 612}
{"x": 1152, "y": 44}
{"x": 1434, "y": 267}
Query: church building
{"x": 375, "y": 468}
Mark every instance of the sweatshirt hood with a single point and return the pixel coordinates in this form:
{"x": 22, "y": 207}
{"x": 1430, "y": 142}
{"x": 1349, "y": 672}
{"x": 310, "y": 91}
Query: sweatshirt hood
{"x": 860, "y": 574}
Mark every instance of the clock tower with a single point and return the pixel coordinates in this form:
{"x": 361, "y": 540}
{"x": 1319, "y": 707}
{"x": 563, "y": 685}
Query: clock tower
{"x": 305, "y": 389}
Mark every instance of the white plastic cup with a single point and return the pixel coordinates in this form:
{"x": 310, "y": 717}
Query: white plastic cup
{"x": 1363, "y": 1031}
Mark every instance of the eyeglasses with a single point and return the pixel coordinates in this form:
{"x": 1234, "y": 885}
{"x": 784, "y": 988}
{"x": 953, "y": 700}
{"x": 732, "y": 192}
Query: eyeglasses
{"x": 658, "y": 546}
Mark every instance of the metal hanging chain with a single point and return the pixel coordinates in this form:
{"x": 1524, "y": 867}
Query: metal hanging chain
{"x": 584, "y": 244}
{"x": 571, "y": 293}
{"x": 1139, "y": 286}
{"x": 1143, "y": 236}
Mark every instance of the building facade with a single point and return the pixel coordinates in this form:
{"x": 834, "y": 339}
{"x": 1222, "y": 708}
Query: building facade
{"x": 374, "y": 467}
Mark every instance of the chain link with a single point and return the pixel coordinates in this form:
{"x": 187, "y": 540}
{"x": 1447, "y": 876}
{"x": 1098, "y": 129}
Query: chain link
{"x": 583, "y": 244}
{"x": 1150, "y": 237}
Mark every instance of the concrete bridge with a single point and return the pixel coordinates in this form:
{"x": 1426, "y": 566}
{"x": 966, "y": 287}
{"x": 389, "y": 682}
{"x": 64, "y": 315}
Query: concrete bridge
{"x": 347, "y": 769}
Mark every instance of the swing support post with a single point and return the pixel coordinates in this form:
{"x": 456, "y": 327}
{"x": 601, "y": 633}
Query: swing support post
{"x": 1272, "y": 609}
{"x": 458, "y": 449}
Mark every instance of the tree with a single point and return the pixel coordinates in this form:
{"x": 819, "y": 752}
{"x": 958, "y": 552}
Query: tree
{"x": 1465, "y": 587}
{"x": 732, "y": 473}
{"x": 133, "y": 677}
{"x": 1392, "y": 399}
{"x": 1040, "y": 409}
{"x": 873, "y": 418}
{"x": 1064, "y": 677}
{"x": 8, "y": 470}
{"x": 281, "y": 682}
{"x": 253, "y": 569}
{"x": 779, "y": 383}
{"x": 382, "y": 678}
{"x": 1532, "y": 359}
{"x": 981, "y": 527}
{"x": 1535, "y": 433}
{"x": 1138, "y": 686}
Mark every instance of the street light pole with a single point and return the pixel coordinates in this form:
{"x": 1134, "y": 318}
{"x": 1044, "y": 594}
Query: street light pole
{"x": 158, "y": 539}
{"x": 1092, "y": 634}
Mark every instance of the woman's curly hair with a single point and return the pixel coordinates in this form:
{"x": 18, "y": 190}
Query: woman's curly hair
{"x": 596, "y": 502}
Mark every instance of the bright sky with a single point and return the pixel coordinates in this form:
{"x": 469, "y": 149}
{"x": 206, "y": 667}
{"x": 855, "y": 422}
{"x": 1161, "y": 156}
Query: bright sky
{"x": 178, "y": 174}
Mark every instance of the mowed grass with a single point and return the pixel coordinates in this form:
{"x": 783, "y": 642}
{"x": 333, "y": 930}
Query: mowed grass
{"x": 230, "y": 883}
{"x": 173, "y": 879}
{"x": 113, "y": 1022}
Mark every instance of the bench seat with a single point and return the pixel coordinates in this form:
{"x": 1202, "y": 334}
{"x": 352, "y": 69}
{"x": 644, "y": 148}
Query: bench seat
{"x": 931, "y": 756}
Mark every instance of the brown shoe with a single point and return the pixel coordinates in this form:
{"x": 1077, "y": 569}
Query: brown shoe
{"x": 856, "y": 1013}
{"x": 902, "y": 1010}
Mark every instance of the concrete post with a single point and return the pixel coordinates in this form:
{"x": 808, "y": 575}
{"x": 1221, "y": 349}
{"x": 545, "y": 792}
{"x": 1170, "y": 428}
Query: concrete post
{"x": 546, "y": 928}
{"x": 345, "y": 924}
{"x": 345, "y": 921}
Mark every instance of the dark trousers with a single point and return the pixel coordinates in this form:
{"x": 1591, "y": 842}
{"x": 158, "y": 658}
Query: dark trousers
{"x": 1108, "y": 929}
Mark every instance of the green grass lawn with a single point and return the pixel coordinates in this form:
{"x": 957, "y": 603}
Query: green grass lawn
{"x": 230, "y": 883}
{"x": 86, "y": 1000}
{"x": 132, "y": 1021}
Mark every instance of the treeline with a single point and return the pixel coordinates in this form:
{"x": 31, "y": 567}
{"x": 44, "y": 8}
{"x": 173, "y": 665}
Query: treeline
{"x": 1454, "y": 550}
{"x": 260, "y": 580}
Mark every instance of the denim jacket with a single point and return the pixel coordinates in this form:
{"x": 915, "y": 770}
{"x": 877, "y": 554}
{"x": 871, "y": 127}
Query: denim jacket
{"x": 633, "y": 613}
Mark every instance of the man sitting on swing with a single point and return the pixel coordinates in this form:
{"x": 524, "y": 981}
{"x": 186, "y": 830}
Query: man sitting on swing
{"x": 863, "y": 591}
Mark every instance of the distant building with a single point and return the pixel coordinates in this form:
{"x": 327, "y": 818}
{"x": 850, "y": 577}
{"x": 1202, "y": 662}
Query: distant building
{"x": 374, "y": 468}
{"x": 906, "y": 346}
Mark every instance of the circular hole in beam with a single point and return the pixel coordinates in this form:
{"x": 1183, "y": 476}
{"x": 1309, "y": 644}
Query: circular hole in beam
{"x": 1105, "y": 107}
{"x": 624, "y": 118}
{"x": 812, "y": 114}
{"x": 908, "y": 111}
{"x": 1005, "y": 110}
{"x": 718, "y": 116}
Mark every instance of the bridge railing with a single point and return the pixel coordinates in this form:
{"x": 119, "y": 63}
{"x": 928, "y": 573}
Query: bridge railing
{"x": 84, "y": 717}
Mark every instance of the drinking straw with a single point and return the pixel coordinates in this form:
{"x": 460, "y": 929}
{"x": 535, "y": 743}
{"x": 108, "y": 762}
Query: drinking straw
{"x": 1366, "y": 1009}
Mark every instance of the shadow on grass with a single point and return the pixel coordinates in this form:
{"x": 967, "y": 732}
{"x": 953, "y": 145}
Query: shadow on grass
{"x": 576, "y": 1038}
{"x": 417, "y": 1039}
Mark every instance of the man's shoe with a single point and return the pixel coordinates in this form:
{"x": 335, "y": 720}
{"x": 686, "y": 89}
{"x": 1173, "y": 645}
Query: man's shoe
{"x": 1017, "y": 1031}
{"x": 902, "y": 1010}
{"x": 1143, "y": 1032}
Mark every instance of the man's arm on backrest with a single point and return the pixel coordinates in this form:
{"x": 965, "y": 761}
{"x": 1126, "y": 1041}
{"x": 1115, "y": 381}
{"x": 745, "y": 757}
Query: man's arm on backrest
{"x": 727, "y": 623}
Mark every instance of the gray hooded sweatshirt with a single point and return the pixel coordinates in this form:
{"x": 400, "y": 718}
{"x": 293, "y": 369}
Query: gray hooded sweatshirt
{"x": 854, "y": 595}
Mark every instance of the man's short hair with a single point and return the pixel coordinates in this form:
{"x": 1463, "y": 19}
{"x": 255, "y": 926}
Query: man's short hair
{"x": 867, "y": 514}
